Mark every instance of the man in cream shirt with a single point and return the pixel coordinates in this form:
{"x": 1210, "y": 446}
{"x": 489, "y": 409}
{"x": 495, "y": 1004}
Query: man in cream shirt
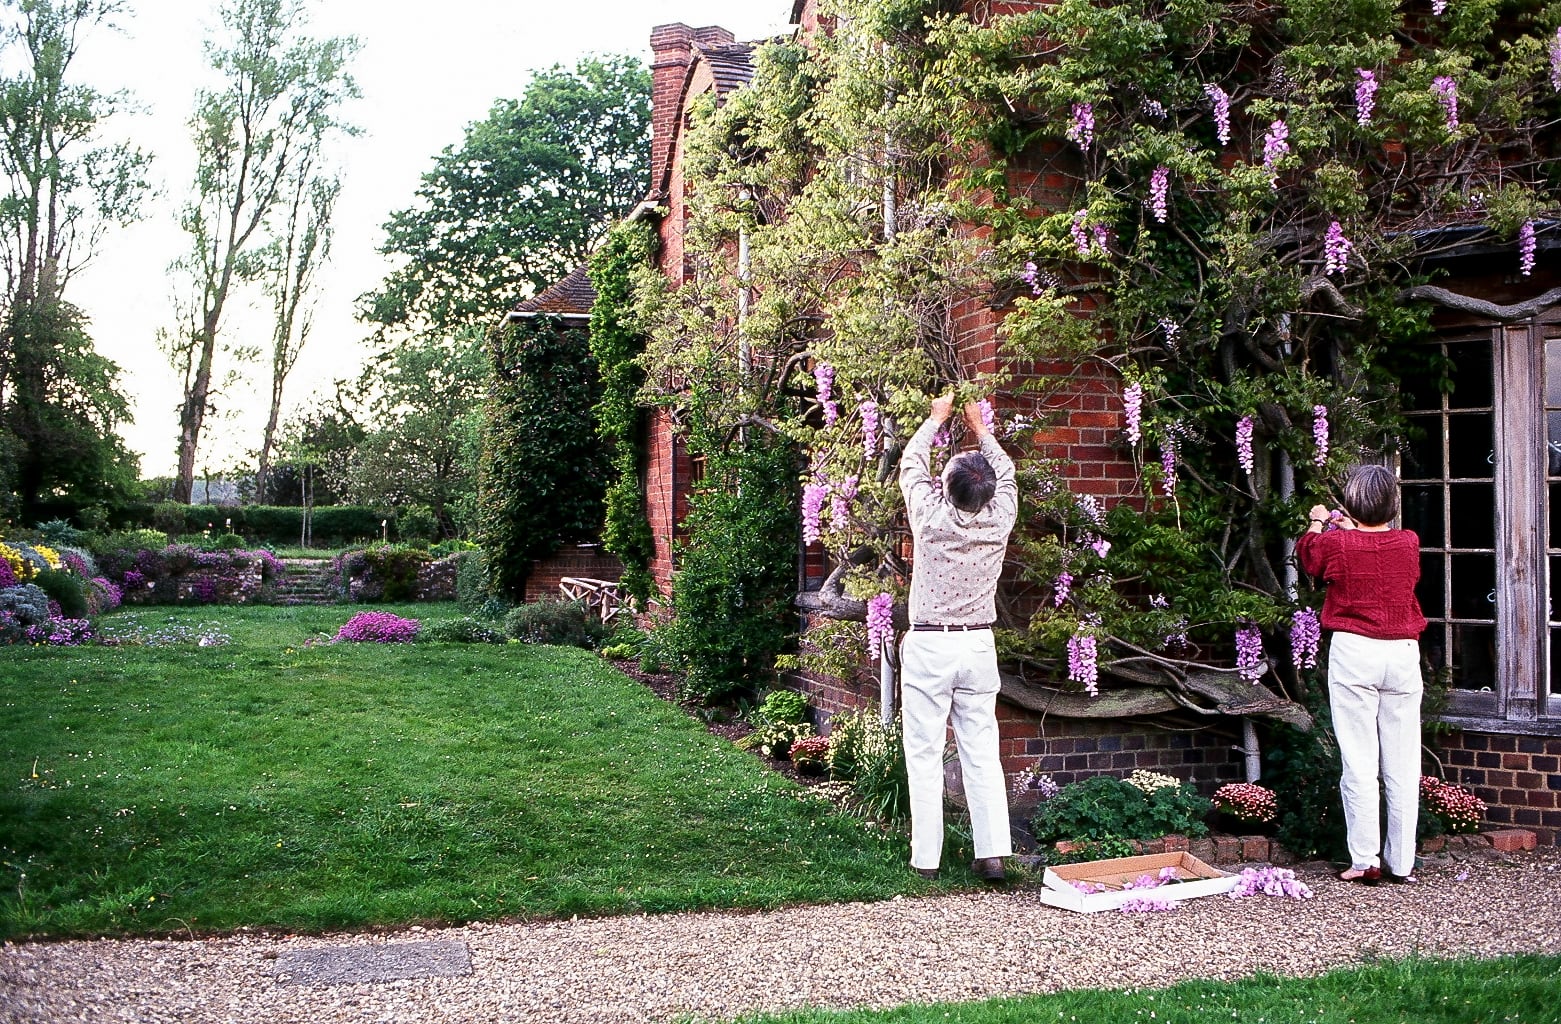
{"x": 948, "y": 659}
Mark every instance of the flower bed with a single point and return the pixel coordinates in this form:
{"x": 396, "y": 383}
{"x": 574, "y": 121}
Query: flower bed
{"x": 182, "y": 574}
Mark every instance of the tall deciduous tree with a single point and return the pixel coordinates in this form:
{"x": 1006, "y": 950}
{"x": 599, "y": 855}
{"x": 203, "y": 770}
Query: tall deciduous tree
{"x": 59, "y": 400}
{"x": 520, "y": 203}
{"x": 255, "y": 139}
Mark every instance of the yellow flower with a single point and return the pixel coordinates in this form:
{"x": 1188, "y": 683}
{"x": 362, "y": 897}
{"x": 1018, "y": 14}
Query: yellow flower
{"x": 49, "y": 555}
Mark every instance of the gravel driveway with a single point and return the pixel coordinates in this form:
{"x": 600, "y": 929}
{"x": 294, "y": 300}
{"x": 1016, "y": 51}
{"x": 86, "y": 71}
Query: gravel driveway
{"x": 714, "y": 965}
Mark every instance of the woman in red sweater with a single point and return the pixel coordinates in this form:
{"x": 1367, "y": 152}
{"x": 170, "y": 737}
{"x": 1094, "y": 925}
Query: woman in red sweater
{"x": 1374, "y": 681}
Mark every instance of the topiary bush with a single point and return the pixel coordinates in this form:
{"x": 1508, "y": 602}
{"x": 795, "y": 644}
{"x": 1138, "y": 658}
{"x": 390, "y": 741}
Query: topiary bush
{"x": 69, "y": 590}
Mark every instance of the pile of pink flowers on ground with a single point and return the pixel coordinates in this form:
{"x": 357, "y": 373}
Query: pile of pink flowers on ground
{"x": 1270, "y": 881}
{"x": 379, "y": 628}
{"x": 1459, "y": 809}
{"x": 1247, "y": 801}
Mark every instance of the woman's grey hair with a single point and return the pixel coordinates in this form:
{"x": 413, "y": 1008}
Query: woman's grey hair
{"x": 1371, "y": 495}
{"x": 969, "y": 481}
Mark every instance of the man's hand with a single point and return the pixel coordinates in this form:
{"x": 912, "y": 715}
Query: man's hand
{"x": 941, "y": 407}
{"x": 973, "y": 419}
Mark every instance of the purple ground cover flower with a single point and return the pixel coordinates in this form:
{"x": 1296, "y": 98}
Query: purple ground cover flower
{"x": 378, "y": 627}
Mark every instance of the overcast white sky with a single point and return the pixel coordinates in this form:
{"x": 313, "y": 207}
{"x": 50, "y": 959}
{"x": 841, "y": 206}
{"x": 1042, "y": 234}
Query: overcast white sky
{"x": 426, "y": 71}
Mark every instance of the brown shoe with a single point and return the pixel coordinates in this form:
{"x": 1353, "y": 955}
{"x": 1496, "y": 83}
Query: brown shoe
{"x": 930, "y": 874}
{"x": 989, "y": 869}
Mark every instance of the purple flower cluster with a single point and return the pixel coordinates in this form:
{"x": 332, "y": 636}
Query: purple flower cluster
{"x": 1365, "y": 96}
{"x": 1221, "y": 101}
{"x": 824, "y": 374}
{"x": 1275, "y": 145}
{"x": 1244, "y": 443}
{"x": 1320, "y": 435}
{"x": 1133, "y": 411}
{"x": 813, "y": 496}
{"x": 8, "y": 575}
{"x": 1445, "y": 89}
{"x": 1084, "y": 662}
{"x": 1438, "y": 7}
{"x": 1249, "y": 653}
{"x": 1172, "y": 331}
{"x": 1270, "y": 881}
{"x": 1032, "y": 277}
{"x": 1080, "y": 233}
{"x": 1168, "y": 464}
{"x": 988, "y": 415}
{"x": 1062, "y": 586}
{"x": 840, "y": 502}
{"x": 1336, "y": 250}
{"x": 880, "y": 622}
{"x": 1148, "y": 905}
{"x": 869, "y": 413}
{"x": 1159, "y": 192}
{"x": 1305, "y": 636}
{"x": 59, "y": 632}
{"x": 1555, "y": 61}
{"x": 1082, "y": 130}
{"x": 1526, "y": 246}
{"x": 379, "y": 628}
{"x": 1089, "y": 507}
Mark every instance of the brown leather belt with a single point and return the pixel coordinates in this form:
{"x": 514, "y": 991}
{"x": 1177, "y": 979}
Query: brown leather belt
{"x": 933, "y": 627}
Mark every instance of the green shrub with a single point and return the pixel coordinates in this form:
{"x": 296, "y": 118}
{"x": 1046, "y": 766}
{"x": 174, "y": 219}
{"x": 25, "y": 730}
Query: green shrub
{"x": 69, "y": 590}
{"x": 1106, "y": 807}
{"x": 471, "y": 581}
{"x": 783, "y": 707}
{"x": 453, "y": 546}
{"x": 774, "y": 739}
{"x": 871, "y": 757}
{"x": 392, "y": 571}
{"x": 227, "y": 542}
{"x": 1303, "y": 769}
{"x": 126, "y": 540}
{"x": 169, "y": 519}
{"x": 58, "y": 533}
{"x": 560, "y": 623}
{"x": 416, "y": 522}
{"x": 465, "y": 630}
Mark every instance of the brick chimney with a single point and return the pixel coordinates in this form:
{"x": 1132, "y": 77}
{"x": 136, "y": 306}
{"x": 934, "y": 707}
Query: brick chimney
{"x": 672, "y": 50}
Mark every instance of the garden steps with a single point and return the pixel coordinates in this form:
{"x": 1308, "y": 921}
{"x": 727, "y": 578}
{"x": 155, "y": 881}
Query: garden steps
{"x": 306, "y": 581}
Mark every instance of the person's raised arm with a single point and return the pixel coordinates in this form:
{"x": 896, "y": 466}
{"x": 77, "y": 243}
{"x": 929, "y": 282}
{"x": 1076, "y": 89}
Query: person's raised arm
{"x": 1006, "y": 497}
{"x": 916, "y": 481}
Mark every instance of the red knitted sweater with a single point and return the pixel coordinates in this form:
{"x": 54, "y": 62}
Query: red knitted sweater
{"x": 1371, "y": 579}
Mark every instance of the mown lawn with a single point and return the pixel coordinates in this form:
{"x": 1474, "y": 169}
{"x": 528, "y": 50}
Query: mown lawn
{"x": 269, "y": 782}
{"x": 1517, "y": 989}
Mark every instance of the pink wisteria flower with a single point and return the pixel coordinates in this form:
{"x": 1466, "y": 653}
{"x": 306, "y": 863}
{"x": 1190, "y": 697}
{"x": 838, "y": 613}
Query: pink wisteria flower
{"x": 1133, "y": 411}
{"x": 1083, "y": 662}
{"x": 1159, "y": 192}
{"x": 1172, "y": 329}
{"x": 1032, "y": 277}
{"x": 824, "y": 374}
{"x": 1275, "y": 144}
{"x": 1081, "y": 239}
{"x": 1249, "y": 653}
{"x": 813, "y": 496}
{"x": 1320, "y": 435}
{"x": 1305, "y": 636}
{"x": 1244, "y": 443}
{"x": 1270, "y": 881}
{"x": 1555, "y": 61}
{"x": 1526, "y": 246}
{"x": 880, "y": 622}
{"x": 840, "y": 501}
{"x": 1061, "y": 588}
{"x": 1082, "y": 130}
{"x": 869, "y": 413}
{"x": 1168, "y": 464}
{"x": 1438, "y": 7}
{"x": 1221, "y": 101}
{"x": 1365, "y": 96}
{"x": 1336, "y": 250}
{"x": 988, "y": 415}
{"x": 1445, "y": 89}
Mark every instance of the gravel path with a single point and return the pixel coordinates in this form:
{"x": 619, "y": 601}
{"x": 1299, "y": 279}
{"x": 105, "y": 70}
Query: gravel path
{"x": 715, "y": 965}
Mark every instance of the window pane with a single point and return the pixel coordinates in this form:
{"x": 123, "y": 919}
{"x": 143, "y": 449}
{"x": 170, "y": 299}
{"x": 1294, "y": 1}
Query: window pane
{"x": 1555, "y": 515}
{"x": 1423, "y": 513}
{"x": 1473, "y": 586}
{"x": 1474, "y": 657}
{"x": 1553, "y": 372}
{"x": 1553, "y": 444}
{"x": 1472, "y": 515}
{"x": 1422, "y": 450}
{"x": 1469, "y": 451}
{"x": 1471, "y": 375}
{"x": 1432, "y": 588}
{"x": 1555, "y": 672}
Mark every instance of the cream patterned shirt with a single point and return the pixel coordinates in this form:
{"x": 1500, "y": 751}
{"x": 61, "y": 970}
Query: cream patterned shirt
{"x": 958, "y": 556}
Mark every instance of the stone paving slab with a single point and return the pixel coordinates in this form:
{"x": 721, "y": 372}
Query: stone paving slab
{"x": 400, "y": 961}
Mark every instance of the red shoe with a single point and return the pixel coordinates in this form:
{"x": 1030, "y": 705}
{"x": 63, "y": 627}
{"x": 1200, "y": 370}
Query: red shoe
{"x": 1370, "y": 876}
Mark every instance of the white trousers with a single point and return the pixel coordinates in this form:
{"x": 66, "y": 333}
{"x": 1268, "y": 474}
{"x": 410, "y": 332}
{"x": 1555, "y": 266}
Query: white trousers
{"x": 1374, "y": 690}
{"x": 940, "y": 674}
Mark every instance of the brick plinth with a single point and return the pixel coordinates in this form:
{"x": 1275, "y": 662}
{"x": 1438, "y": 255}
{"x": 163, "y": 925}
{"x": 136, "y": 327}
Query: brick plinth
{"x": 1518, "y": 777}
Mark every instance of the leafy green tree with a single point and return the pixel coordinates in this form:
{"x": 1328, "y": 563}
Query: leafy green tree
{"x": 543, "y": 471}
{"x": 60, "y": 401}
{"x": 256, "y": 139}
{"x": 520, "y": 203}
{"x": 423, "y": 428}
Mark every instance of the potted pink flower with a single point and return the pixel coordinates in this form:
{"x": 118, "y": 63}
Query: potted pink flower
{"x": 1246, "y": 806}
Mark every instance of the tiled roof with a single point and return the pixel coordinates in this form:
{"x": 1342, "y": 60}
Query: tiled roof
{"x": 730, "y": 66}
{"x": 573, "y": 296}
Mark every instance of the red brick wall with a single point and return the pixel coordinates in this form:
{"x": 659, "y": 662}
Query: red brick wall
{"x": 582, "y": 561}
{"x": 1518, "y": 777}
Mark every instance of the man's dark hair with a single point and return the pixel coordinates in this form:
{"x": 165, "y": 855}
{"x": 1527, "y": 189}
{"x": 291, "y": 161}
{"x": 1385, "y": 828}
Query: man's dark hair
{"x": 1371, "y": 495}
{"x": 970, "y": 482}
